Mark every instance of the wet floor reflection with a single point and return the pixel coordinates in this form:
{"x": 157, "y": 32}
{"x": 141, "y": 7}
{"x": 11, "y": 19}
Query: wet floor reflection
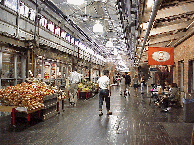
{"x": 134, "y": 122}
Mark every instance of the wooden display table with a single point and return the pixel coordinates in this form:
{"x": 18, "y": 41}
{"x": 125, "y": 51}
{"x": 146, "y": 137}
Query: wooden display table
{"x": 14, "y": 109}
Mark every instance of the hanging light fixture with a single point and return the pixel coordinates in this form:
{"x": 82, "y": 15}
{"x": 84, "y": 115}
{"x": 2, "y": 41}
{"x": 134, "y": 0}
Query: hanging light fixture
{"x": 75, "y": 2}
{"x": 97, "y": 27}
{"x": 109, "y": 43}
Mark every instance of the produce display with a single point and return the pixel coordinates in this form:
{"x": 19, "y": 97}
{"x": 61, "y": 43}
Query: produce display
{"x": 26, "y": 95}
{"x": 62, "y": 95}
{"x": 86, "y": 86}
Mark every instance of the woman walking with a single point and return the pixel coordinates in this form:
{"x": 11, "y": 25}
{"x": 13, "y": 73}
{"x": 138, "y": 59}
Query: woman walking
{"x": 135, "y": 84}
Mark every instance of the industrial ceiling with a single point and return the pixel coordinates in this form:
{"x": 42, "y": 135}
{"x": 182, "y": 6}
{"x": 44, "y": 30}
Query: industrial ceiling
{"x": 132, "y": 26}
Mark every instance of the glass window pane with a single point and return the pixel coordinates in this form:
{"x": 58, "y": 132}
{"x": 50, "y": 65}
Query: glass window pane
{"x": 11, "y": 4}
{"x": 32, "y": 14}
{"x": 7, "y": 65}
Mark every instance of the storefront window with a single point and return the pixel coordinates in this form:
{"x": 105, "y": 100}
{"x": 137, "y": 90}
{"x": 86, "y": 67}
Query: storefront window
{"x": 51, "y": 26}
{"x": 181, "y": 75}
{"x": 53, "y": 71}
{"x": 19, "y": 67}
{"x": 38, "y": 68}
{"x": 59, "y": 73}
{"x": 7, "y": 65}
{"x": 191, "y": 77}
{"x": 7, "y": 82}
{"x": 46, "y": 70}
{"x": 64, "y": 72}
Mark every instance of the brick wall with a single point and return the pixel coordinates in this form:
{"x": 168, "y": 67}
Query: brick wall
{"x": 183, "y": 52}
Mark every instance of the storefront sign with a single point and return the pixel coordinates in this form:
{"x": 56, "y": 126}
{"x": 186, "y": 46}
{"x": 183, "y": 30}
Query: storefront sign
{"x": 153, "y": 69}
{"x": 160, "y": 55}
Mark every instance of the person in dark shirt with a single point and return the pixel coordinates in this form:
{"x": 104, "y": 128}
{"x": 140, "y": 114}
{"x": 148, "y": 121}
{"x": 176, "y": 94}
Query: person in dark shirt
{"x": 127, "y": 82}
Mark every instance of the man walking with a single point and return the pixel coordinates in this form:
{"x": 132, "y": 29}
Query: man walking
{"x": 127, "y": 82}
{"x": 104, "y": 92}
{"x": 74, "y": 79}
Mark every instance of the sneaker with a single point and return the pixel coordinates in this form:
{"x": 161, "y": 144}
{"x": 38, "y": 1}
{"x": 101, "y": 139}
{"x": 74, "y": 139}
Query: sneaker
{"x": 169, "y": 108}
{"x": 109, "y": 113}
{"x": 100, "y": 113}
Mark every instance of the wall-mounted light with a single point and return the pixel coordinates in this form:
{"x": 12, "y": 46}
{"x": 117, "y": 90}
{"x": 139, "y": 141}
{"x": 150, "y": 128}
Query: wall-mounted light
{"x": 97, "y": 27}
{"x": 75, "y": 2}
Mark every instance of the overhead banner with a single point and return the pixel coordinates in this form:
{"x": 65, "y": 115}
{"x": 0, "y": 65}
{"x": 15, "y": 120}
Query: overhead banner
{"x": 160, "y": 55}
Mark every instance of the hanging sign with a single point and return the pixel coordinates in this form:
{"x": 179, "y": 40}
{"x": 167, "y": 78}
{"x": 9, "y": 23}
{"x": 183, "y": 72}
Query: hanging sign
{"x": 160, "y": 55}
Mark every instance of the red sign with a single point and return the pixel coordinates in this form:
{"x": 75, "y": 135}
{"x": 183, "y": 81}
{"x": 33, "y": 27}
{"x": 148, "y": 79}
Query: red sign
{"x": 160, "y": 55}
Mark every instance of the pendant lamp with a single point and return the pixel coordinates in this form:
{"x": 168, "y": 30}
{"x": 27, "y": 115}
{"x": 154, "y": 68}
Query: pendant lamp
{"x": 97, "y": 27}
{"x": 75, "y": 2}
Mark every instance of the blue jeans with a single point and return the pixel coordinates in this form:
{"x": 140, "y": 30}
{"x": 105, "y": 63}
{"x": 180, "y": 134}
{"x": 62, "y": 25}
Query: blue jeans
{"x": 103, "y": 94}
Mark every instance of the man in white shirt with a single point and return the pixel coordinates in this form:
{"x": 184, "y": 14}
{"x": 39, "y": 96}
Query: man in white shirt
{"x": 104, "y": 92}
{"x": 74, "y": 79}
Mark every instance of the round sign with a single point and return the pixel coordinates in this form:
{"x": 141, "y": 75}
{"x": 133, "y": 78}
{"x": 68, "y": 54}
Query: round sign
{"x": 161, "y": 56}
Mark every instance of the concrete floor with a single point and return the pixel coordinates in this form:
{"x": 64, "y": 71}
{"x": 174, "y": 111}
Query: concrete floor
{"x": 134, "y": 122}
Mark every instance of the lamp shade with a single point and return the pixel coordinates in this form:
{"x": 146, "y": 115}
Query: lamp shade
{"x": 109, "y": 44}
{"x": 76, "y": 2}
{"x": 98, "y": 27}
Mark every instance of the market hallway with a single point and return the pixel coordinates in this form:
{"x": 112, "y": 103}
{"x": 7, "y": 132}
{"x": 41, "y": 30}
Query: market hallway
{"x": 134, "y": 122}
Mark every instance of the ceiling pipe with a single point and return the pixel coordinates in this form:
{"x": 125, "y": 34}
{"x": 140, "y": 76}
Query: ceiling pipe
{"x": 189, "y": 34}
{"x": 155, "y": 9}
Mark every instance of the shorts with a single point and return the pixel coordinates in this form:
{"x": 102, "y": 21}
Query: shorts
{"x": 135, "y": 85}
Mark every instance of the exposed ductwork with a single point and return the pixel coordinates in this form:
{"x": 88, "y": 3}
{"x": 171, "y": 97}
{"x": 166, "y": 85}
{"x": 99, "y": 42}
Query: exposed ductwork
{"x": 155, "y": 9}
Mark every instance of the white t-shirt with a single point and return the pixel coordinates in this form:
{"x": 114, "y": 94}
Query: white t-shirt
{"x": 75, "y": 77}
{"x": 103, "y": 82}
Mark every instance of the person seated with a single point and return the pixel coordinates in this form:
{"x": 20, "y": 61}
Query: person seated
{"x": 172, "y": 97}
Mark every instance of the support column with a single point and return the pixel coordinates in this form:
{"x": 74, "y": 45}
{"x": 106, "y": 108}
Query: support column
{"x": 15, "y": 70}
{"x": 28, "y": 64}
{"x": 0, "y": 66}
{"x": 23, "y": 67}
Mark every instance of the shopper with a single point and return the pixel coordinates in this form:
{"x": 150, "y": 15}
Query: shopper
{"x": 74, "y": 79}
{"x": 135, "y": 84}
{"x": 122, "y": 86}
{"x": 142, "y": 84}
{"x": 127, "y": 83}
{"x": 172, "y": 96}
{"x": 104, "y": 92}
